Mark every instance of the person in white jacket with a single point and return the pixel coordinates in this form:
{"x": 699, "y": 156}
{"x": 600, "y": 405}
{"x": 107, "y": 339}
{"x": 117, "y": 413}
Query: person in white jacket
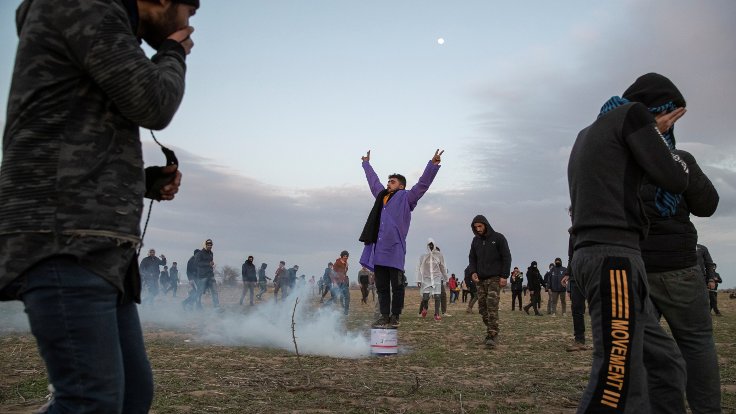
{"x": 431, "y": 274}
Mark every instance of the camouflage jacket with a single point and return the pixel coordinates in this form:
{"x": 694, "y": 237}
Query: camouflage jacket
{"x": 72, "y": 164}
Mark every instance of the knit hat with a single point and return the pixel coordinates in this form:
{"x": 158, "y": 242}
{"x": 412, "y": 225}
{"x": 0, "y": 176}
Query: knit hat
{"x": 534, "y": 263}
{"x": 654, "y": 90}
{"x": 194, "y": 3}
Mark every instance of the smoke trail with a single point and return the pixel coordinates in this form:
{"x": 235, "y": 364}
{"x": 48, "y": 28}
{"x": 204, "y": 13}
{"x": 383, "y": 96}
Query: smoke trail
{"x": 319, "y": 331}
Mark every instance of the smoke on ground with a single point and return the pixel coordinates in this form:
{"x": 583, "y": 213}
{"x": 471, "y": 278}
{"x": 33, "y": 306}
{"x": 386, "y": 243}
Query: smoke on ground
{"x": 318, "y": 330}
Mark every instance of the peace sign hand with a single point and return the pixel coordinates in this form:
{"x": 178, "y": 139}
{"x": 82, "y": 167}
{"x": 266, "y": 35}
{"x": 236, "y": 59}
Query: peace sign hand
{"x": 437, "y": 157}
{"x": 367, "y": 156}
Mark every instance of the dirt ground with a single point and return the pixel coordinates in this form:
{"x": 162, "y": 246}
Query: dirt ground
{"x": 442, "y": 367}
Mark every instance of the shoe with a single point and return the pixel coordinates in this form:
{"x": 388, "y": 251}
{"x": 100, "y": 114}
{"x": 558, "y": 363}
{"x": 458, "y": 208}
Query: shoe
{"x": 437, "y": 317}
{"x": 468, "y": 310}
{"x": 539, "y": 314}
{"x": 719, "y": 314}
{"x": 490, "y": 342}
{"x": 446, "y": 315}
{"x": 526, "y": 310}
{"x": 424, "y": 313}
{"x": 394, "y": 321}
{"x": 382, "y": 322}
{"x": 577, "y": 346}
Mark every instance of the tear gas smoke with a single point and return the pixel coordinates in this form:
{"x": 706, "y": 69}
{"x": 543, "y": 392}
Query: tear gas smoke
{"x": 319, "y": 331}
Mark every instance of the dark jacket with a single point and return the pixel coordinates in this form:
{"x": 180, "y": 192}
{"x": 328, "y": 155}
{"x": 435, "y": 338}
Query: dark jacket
{"x": 192, "y": 267}
{"x": 174, "y": 274}
{"x": 248, "y": 271}
{"x": 517, "y": 282}
{"x": 671, "y": 241}
{"x": 72, "y": 165}
{"x": 489, "y": 252}
{"x": 203, "y": 262}
{"x": 607, "y": 164}
{"x": 262, "y": 273}
{"x": 533, "y": 279}
{"x": 150, "y": 265}
{"x": 555, "y": 278}
{"x": 705, "y": 262}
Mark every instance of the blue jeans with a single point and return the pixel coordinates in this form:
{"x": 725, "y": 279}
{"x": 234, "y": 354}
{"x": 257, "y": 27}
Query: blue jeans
{"x": 92, "y": 345}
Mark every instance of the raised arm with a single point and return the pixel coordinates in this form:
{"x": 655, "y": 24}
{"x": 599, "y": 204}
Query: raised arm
{"x": 373, "y": 181}
{"x": 421, "y": 187}
{"x": 664, "y": 168}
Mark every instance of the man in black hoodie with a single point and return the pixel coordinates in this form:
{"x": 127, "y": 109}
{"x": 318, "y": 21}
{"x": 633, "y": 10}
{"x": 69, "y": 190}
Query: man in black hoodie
{"x": 676, "y": 280}
{"x": 534, "y": 284}
{"x": 637, "y": 367}
{"x": 489, "y": 267}
{"x": 248, "y": 272}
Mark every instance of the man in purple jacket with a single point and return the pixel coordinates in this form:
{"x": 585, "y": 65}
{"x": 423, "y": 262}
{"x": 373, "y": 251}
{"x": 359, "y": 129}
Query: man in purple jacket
{"x": 385, "y": 233}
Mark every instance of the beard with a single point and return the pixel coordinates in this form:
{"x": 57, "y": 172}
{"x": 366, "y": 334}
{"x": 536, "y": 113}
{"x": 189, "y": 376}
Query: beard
{"x": 160, "y": 28}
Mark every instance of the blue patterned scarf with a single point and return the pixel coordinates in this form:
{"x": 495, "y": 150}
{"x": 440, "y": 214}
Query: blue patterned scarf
{"x": 665, "y": 202}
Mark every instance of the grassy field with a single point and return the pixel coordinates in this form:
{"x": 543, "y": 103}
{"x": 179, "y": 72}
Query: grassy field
{"x": 442, "y": 367}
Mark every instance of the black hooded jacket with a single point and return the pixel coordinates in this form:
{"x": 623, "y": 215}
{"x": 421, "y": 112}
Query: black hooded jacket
{"x": 671, "y": 242}
{"x": 489, "y": 252}
{"x": 533, "y": 279}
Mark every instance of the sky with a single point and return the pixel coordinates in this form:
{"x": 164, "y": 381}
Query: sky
{"x": 284, "y": 97}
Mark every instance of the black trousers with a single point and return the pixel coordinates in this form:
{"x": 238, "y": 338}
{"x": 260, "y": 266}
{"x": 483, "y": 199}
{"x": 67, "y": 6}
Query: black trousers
{"x": 713, "y": 296}
{"x": 514, "y": 295}
{"x": 577, "y": 307}
{"x": 390, "y": 287}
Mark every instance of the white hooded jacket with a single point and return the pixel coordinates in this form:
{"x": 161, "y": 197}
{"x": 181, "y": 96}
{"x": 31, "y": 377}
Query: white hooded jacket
{"x": 431, "y": 270}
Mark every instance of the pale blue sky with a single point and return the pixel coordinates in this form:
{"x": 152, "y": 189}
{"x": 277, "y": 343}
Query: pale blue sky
{"x": 283, "y": 97}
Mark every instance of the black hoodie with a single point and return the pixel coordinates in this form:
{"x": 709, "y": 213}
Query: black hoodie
{"x": 489, "y": 252}
{"x": 609, "y": 161}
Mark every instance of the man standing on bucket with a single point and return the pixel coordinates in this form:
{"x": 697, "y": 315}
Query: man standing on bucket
{"x": 385, "y": 233}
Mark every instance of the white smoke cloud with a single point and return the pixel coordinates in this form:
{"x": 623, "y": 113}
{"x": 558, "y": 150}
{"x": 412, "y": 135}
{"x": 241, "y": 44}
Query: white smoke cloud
{"x": 319, "y": 331}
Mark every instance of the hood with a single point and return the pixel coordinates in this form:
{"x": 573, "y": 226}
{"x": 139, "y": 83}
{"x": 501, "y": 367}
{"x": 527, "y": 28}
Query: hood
{"x": 431, "y": 240}
{"x": 481, "y": 219}
{"x": 21, "y": 13}
{"x": 654, "y": 90}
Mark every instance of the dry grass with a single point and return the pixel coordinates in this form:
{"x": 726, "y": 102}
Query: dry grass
{"x": 443, "y": 368}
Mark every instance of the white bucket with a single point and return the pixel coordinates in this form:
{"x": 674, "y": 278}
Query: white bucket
{"x": 384, "y": 341}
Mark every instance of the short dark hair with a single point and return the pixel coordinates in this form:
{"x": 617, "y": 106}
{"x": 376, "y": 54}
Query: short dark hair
{"x": 399, "y": 177}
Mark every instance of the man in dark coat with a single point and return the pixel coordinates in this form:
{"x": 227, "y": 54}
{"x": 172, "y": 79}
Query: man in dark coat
{"x": 629, "y": 140}
{"x": 250, "y": 278}
{"x": 72, "y": 184}
{"x": 490, "y": 263}
{"x": 534, "y": 284}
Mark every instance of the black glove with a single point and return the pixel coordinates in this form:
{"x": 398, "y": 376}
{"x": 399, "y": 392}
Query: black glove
{"x": 156, "y": 179}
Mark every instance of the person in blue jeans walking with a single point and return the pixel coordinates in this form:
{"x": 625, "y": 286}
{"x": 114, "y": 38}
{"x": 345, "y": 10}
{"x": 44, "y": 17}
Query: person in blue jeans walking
{"x": 72, "y": 185}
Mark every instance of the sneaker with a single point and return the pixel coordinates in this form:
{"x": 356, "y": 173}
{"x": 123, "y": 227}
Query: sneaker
{"x": 468, "y": 310}
{"x": 490, "y": 343}
{"x": 437, "y": 317}
{"x": 382, "y": 322}
{"x": 394, "y": 321}
{"x": 446, "y": 314}
{"x": 424, "y": 313}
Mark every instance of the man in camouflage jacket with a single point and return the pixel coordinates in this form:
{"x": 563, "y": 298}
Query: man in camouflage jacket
{"x": 72, "y": 185}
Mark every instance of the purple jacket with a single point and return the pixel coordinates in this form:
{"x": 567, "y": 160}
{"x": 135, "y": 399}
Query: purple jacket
{"x": 390, "y": 249}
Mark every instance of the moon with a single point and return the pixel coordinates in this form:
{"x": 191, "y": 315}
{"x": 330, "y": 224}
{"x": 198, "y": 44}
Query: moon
{"x": 441, "y": 41}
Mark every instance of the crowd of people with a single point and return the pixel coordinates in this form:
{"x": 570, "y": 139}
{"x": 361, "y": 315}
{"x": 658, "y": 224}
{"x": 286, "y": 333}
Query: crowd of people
{"x": 70, "y": 230}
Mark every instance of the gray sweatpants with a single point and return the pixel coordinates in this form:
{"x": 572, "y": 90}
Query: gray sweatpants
{"x": 637, "y": 367}
{"x": 682, "y": 298}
